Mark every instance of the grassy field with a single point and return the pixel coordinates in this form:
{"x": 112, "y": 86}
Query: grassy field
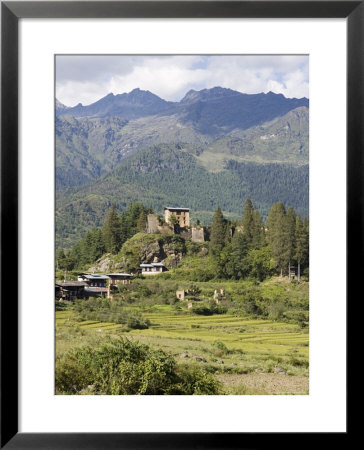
{"x": 248, "y": 356}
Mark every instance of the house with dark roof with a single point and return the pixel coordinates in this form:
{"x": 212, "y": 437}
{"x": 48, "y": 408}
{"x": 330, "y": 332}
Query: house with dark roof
{"x": 153, "y": 268}
{"x": 96, "y": 284}
{"x": 93, "y": 279}
{"x": 70, "y": 290}
{"x": 119, "y": 278}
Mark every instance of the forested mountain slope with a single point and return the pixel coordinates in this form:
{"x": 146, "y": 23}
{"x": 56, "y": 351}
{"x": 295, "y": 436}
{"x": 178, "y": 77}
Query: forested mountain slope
{"x": 166, "y": 174}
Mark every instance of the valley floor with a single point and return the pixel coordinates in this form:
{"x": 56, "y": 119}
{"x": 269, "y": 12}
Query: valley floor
{"x": 248, "y": 356}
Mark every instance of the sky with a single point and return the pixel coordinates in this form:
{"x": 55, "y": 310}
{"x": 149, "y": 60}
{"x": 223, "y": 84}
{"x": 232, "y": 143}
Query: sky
{"x": 87, "y": 78}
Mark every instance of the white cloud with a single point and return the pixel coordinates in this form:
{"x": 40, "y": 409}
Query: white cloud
{"x": 86, "y": 79}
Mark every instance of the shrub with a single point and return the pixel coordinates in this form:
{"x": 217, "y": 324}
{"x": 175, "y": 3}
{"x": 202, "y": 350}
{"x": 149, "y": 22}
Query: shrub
{"x": 60, "y": 306}
{"x": 103, "y": 310}
{"x": 136, "y": 321}
{"x": 124, "y": 367}
{"x": 195, "y": 381}
{"x": 219, "y": 349}
{"x": 207, "y": 309}
{"x": 298, "y": 362}
{"x": 301, "y": 317}
{"x": 202, "y": 310}
{"x": 276, "y": 310}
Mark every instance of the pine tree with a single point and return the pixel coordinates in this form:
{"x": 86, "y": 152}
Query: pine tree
{"x": 142, "y": 221}
{"x": 239, "y": 251}
{"x": 97, "y": 247}
{"x": 218, "y": 233}
{"x": 259, "y": 231}
{"x": 132, "y": 215}
{"x": 301, "y": 247}
{"x": 111, "y": 231}
{"x": 291, "y": 225}
{"x": 248, "y": 220}
{"x": 60, "y": 257}
{"x": 124, "y": 230}
{"x": 278, "y": 235}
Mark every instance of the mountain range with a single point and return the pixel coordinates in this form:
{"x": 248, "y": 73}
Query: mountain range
{"x": 214, "y": 147}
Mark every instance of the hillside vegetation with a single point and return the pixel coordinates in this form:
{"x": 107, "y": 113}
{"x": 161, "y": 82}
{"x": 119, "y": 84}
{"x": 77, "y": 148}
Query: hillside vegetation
{"x": 162, "y": 175}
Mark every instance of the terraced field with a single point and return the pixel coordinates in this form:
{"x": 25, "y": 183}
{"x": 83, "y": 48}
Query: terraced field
{"x": 248, "y": 356}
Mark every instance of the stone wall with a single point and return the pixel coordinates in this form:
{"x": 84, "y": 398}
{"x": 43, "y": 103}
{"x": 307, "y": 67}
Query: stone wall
{"x": 164, "y": 229}
{"x": 180, "y": 295}
{"x": 198, "y": 234}
{"x": 152, "y": 223}
{"x": 154, "y": 227}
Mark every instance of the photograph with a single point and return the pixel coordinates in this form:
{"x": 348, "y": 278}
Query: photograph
{"x": 182, "y": 224}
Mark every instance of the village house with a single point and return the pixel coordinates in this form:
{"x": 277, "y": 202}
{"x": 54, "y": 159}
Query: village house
{"x": 182, "y": 215}
{"x": 119, "y": 278}
{"x": 153, "y": 268}
{"x": 70, "y": 290}
{"x": 96, "y": 285}
{"x": 93, "y": 279}
{"x": 90, "y": 285}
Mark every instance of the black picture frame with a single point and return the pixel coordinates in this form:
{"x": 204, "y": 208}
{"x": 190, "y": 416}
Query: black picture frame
{"x": 11, "y": 12}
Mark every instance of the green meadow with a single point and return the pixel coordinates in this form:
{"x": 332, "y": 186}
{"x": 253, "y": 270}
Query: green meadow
{"x": 247, "y": 354}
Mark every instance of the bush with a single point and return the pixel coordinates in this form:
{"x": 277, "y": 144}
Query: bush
{"x": 102, "y": 310}
{"x": 209, "y": 309}
{"x": 298, "y": 362}
{"x": 136, "y": 321}
{"x": 124, "y": 367}
{"x": 219, "y": 349}
{"x": 251, "y": 304}
{"x": 60, "y": 306}
{"x": 203, "y": 310}
{"x": 300, "y": 317}
{"x": 276, "y": 310}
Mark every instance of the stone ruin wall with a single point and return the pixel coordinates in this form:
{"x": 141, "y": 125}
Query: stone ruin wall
{"x": 198, "y": 234}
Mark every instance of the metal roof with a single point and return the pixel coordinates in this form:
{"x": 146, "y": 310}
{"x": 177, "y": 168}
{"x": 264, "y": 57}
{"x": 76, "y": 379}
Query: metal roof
{"x": 96, "y": 289}
{"x": 119, "y": 275}
{"x": 176, "y": 209}
{"x": 94, "y": 277}
{"x": 71, "y": 283}
{"x": 153, "y": 265}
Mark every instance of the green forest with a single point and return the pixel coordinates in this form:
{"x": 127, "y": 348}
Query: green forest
{"x": 237, "y": 249}
{"x": 167, "y": 174}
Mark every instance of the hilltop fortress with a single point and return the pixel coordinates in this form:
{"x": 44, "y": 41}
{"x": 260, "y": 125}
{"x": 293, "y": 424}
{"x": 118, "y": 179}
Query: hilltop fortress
{"x": 176, "y": 220}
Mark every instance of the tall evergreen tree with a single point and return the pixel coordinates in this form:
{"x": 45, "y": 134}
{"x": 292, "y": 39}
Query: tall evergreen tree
{"x": 97, "y": 246}
{"x": 248, "y": 220}
{"x": 291, "y": 225}
{"x": 124, "y": 230}
{"x": 60, "y": 257}
{"x": 278, "y": 235}
{"x": 111, "y": 231}
{"x": 239, "y": 251}
{"x": 142, "y": 221}
{"x": 218, "y": 233}
{"x": 133, "y": 213}
{"x": 258, "y": 231}
{"x": 301, "y": 247}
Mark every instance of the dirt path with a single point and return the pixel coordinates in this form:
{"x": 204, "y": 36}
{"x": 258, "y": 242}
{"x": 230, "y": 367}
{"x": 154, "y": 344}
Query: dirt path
{"x": 264, "y": 383}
